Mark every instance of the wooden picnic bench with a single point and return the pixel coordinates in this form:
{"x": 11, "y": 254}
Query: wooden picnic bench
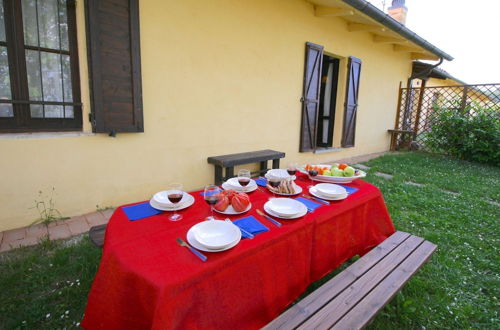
{"x": 228, "y": 162}
{"x": 352, "y": 298}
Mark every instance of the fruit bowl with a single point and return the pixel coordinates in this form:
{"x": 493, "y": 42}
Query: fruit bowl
{"x": 334, "y": 179}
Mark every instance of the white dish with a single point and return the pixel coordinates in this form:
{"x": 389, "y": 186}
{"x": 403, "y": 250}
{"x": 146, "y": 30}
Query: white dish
{"x": 330, "y": 190}
{"x": 182, "y": 205}
{"x": 334, "y": 179}
{"x": 247, "y": 189}
{"x": 298, "y": 190}
{"x": 231, "y": 211}
{"x": 161, "y": 199}
{"x": 280, "y": 174}
{"x": 197, "y": 245}
{"x": 216, "y": 234}
{"x": 285, "y": 207}
{"x": 313, "y": 191}
{"x": 300, "y": 214}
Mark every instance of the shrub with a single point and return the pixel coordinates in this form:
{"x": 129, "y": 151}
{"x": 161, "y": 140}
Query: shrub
{"x": 472, "y": 134}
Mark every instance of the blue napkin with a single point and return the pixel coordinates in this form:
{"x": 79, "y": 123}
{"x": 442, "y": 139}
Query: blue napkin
{"x": 251, "y": 225}
{"x": 310, "y": 204}
{"x": 261, "y": 182}
{"x": 140, "y": 211}
{"x": 350, "y": 190}
{"x": 209, "y": 194}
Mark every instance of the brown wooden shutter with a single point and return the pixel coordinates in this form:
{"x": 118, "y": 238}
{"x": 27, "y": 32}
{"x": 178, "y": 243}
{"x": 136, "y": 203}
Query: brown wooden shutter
{"x": 351, "y": 102}
{"x": 310, "y": 97}
{"x": 114, "y": 65}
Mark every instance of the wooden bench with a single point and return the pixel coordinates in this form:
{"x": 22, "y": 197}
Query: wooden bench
{"x": 394, "y": 136}
{"x": 228, "y": 162}
{"x": 352, "y": 298}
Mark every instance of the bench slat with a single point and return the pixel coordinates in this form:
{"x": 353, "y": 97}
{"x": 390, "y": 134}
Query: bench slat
{"x": 296, "y": 314}
{"x": 245, "y": 158}
{"x": 339, "y": 306}
{"x": 367, "y": 308}
{"x": 97, "y": 234}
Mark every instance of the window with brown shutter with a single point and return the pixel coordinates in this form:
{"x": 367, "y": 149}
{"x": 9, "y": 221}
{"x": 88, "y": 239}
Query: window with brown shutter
{"x": 39, "y": 77}
{"x": 115, "y": 71}
{"x": 351, "y": 102}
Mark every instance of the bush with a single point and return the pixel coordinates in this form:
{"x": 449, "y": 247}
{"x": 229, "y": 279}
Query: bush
{"x": 472, "y": 134}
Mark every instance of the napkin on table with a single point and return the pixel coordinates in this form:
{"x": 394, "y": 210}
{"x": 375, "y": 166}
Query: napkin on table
{"x": 261, "y": 182}
{"x": 350, "y": 190}
{"x": 251, "y": 225}
{"x": 140, "y": 211}
{"x": 308, "y": 203}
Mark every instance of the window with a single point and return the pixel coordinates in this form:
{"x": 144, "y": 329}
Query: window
{"x": 39, "y": 76}
{"x": 319, "y": 100}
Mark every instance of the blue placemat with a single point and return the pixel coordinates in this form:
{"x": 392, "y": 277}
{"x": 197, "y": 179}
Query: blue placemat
{"x": 350, "y": 190}
{"x": 308, "y": 203}
{"x": 261, "y": 182}
{"x": 251, "y": 225}
{"x": 140, "y": 211}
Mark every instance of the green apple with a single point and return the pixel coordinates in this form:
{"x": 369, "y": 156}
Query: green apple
{"x": 348, "y": 171}
{"x": 337, "y": 172}
{"x": 327, "y": 172}
{"x": 335, "y": 165}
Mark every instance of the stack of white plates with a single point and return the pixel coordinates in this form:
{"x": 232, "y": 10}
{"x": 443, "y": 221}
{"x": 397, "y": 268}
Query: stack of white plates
{"x": 285, "y": 208}
{"x": 328, "y": 191}
{"x": 280, "y": 174}
{"x": 214, "y": 235}
{"x": 161, "y": 202}
{"x": 235, "y": 185}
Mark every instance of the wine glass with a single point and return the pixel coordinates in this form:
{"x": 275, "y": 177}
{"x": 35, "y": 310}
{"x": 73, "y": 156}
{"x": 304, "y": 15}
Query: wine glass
{"x": 212, "y": 196}
{"x": 274, "y": 182}
{"x": 291, "y": 168}
{"x": 312, "y": 174}
{"x": 244, "y": 178}
{"x": 175, "y": 194}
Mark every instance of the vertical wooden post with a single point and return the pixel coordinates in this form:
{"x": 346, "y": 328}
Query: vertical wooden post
{"x": 463, "y": 103}
{"x": 419, "y": 109}
{"x": 394, "y": 135}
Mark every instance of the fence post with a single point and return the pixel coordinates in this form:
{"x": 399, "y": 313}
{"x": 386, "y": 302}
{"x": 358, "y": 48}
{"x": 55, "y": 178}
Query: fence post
{"x": 394, "y": 135}
{"x": 419, "y": 109}
{"x": 464, "y": 98}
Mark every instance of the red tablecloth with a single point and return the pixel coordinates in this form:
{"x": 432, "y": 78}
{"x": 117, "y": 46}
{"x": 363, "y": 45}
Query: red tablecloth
{"x": 146, "y": 280}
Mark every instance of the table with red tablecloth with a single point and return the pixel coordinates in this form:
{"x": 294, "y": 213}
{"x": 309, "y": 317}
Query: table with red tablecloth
{"x": 146, "y": 280}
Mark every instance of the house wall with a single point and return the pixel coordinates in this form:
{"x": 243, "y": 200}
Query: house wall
{"x": 219, "y": 76}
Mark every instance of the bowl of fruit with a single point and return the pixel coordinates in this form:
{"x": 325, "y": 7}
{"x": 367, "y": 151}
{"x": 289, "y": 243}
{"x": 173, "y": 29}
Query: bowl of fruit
{"x": 335, "y": 173}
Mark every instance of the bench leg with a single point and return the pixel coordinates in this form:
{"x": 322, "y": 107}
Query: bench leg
{"x": 263, "y": 167}
{"x": 276, "y": 163}
{"x": 218, "y": 175}
{"x": 229, "y": 172}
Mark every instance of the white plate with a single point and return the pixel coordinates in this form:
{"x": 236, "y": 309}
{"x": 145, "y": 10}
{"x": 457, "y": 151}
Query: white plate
{"x": 313, "y": 191}
{"x": 194, "y": 243}
{"x": 247, "y": 189}
{"x": 161, "y": 199}
{"x": 330, "y": 190}
{"x": 216, "y": 234}
{"x": 187, "y": 203}
{"x": 285, "y": 207}
{"x": 300, "y": 214}
{"x": 279, "y": 174}
{"x": 298, "y": 190}
{"x": 230, "y": 210}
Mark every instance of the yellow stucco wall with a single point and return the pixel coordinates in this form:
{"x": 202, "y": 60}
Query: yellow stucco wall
{"x": 219, "y": 76}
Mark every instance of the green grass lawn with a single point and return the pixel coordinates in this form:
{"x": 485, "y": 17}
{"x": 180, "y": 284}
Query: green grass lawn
{"x": 46, "y": 286}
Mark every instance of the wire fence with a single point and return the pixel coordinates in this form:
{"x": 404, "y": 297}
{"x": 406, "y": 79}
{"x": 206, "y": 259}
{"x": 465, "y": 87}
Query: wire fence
{"x": 424, "y": 111}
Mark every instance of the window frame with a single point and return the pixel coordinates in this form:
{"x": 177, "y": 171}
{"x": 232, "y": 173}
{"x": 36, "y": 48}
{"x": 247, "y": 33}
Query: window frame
{"x": 22, "y": 120}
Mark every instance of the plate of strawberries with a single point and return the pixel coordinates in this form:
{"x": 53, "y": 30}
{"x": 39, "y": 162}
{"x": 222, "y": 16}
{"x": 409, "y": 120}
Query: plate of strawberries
{"x": 232, "y": 203}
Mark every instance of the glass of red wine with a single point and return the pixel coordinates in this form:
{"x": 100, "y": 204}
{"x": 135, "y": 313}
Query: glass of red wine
{"x": 274, "y": 182}
{"x": 244, "y": 178}
{"x": 312, "y": 174}
{"x": 291, "y": 168}
{"x": 175, "y": 194}
{"x": 212, "y": 196}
